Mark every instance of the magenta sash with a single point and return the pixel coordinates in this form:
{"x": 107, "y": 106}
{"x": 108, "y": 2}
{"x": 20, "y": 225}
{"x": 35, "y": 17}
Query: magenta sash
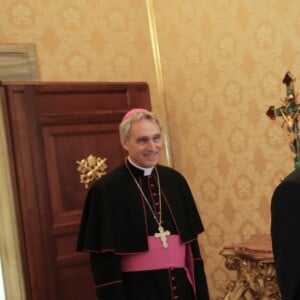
{"x": 177, "y": 255}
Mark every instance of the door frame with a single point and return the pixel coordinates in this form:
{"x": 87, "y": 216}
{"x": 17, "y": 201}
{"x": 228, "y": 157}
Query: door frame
{"x": 23, "y": 61}
{"x": 10, "y": 249}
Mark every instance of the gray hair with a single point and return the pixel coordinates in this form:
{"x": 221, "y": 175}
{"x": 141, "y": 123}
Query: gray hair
{"x": 125, "y": 126}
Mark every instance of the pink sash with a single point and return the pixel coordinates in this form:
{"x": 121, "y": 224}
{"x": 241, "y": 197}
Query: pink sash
{"x": 177, "y": 255}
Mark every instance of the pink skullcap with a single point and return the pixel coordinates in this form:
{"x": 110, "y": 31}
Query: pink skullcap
{"x": 132, "y": 112}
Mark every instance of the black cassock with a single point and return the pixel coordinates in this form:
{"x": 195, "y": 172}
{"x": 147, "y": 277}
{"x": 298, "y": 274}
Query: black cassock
{"x": 116, "y": 221}
{"x": 285, "y": 225}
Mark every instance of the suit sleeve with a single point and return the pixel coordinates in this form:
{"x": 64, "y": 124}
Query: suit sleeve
{"x": 107, "y": 276}
{"x": 285, "y": 224}
{"x": 199, "y": 273}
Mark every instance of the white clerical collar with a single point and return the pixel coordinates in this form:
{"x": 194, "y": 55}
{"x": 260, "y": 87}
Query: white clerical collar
{"x": 147, "y": 171}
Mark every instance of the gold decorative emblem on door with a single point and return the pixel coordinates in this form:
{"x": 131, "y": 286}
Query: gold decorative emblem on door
{"x": 91, "y": 169}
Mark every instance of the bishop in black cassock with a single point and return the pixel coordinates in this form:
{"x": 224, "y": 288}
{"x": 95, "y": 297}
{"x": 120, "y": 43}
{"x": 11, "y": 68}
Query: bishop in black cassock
{"x": 115, "y": 229}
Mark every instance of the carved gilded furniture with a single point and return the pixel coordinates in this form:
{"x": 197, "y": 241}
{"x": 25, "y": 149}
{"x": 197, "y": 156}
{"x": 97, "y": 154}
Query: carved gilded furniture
{"x": 254, "y": 264}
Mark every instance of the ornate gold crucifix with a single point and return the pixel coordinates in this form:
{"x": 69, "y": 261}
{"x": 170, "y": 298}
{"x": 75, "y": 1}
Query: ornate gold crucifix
{"x": 289, "y": 111}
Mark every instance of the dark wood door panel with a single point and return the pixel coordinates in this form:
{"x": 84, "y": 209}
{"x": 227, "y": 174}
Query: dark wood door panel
{"x": 72, "y": 280}
{"x": 51, "y": 126}
{"x": 64, "y": 147}
{"x": 55, "y": 99}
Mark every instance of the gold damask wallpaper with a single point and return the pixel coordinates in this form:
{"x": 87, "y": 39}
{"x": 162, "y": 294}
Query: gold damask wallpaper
{"x": 214, "y": 67}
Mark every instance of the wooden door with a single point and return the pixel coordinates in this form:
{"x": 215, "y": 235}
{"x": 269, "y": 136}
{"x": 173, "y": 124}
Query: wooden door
{"x": 50, "y": 127}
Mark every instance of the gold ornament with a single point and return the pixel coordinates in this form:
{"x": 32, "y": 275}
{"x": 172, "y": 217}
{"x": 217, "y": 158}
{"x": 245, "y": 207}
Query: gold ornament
{"x": 91, "y": 169}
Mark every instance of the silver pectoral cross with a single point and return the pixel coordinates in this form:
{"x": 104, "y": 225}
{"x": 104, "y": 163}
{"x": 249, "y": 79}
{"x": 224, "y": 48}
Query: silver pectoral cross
{"x": 162, "y": 234}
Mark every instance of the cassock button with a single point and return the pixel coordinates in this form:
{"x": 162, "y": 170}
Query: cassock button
{"x": 174, "y": 288}
{"x": 176, "y": 297}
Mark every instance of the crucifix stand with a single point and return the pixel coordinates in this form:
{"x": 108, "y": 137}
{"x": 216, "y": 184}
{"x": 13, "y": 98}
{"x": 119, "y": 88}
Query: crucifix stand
{"x": 289, "y": 111}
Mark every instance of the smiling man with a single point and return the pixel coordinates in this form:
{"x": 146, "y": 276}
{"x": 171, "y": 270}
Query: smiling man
{"x": 140, "y": 224}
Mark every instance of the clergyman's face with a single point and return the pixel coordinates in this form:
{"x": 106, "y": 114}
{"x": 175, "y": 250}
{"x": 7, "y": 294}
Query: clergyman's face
{"x": 144, "y": 143}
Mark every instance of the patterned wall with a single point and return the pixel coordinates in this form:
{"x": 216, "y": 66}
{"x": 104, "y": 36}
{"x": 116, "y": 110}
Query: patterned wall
{"x": 222, "y": 66}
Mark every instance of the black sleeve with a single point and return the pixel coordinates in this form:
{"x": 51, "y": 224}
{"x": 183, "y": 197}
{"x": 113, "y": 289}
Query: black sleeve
{"x": 285, "y": 224}
{"x": 97, "y": 221}
{"x": 200, "y": 277}
{"x": 91, "y": 228}
{"x": 107, "y": 276}
{"x": 95, "y": 237}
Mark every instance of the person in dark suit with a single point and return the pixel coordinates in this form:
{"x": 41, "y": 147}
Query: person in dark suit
{"x": 285, "y": 226}
{"x": 140, "y": 224}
